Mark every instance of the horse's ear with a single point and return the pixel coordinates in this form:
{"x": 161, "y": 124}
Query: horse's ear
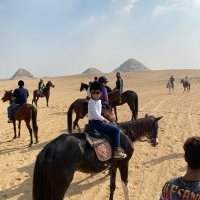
{"x": 146, "y": 115}
{"x": 158, "y": 118}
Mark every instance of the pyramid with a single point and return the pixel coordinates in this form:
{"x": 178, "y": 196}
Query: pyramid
{"x": 22, "y": 74}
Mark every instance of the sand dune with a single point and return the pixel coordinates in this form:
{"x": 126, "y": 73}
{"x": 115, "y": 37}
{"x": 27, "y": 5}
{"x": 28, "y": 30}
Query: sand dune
{"x": 149, "y": 168}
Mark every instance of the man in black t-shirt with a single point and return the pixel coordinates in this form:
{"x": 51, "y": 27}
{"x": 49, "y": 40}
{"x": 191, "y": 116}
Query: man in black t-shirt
{"x": 188, "y": 186}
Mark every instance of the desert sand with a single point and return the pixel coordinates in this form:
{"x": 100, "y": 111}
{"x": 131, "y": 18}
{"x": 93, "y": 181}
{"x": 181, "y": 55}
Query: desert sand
{"x": 150, "y": 166}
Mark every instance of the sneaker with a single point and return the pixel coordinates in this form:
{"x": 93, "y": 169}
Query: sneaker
{"x": 119, "y": 154}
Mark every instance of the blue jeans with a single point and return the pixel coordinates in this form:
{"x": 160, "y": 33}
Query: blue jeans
{"x": 11, "y": 110}
{"x": 109, "y": 130}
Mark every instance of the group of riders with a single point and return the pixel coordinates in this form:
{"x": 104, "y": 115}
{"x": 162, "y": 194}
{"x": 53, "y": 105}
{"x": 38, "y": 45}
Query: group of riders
{"x": 98, "y": 97}
{"x": 172, "y": 81}
{"x": 20, "y": 96}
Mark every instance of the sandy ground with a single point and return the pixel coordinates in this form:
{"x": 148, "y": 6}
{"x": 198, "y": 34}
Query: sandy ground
{"x": 149, "y": 168}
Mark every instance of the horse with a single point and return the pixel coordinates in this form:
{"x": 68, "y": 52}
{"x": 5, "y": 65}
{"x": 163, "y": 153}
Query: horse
{"x": 45, "y": 93}
{"x": 58, "y": 161}
{"x": 129, "y": 97}
{"x": 80, "y": 107}
{"x": 186, "y": 85}
{"x": 170, "y": 86}
{"x": 26, "y": 112}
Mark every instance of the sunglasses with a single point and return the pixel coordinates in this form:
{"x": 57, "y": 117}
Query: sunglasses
{"x": 96, "y": 92}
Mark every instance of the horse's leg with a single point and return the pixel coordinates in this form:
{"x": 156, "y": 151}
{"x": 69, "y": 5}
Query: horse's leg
{"x": 112, "y": 182}
{"x": 47, "y": 99}
{"x": 19, "y": 128}
{"x": 30, "y": 131}
{"x": 14, "y": 126}
{"x": 115, "y": 110}
{"x": 75, "y": 124}
{"x": 36, "y": 100}
{"x": 123, "y": 168}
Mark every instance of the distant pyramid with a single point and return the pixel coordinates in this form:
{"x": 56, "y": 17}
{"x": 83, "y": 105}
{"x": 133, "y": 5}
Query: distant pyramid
{"x": 131, "y": 65}
{"x": 22, "y": 74}
{"x": 92, "y": 71}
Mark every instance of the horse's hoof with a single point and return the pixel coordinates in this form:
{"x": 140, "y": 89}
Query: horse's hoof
{"x": 30, "y": 145}
{"x": 14, "y": 137}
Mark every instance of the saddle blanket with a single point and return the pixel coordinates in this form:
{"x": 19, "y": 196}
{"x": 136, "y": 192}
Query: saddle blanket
{"x": 101, "y": 147}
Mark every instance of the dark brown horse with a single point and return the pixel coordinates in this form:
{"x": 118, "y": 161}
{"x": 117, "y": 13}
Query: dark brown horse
{"x": 129, "y": 97}
{"x": 26, "y": 112}
{"x": 186, "y": 85}
{"x": 45, "y": 93}
{"x": 57, "y": 163}
{"x": 80, "y": 107}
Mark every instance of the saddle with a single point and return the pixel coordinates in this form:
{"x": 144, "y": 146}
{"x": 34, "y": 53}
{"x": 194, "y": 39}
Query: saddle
{"x": 41, "y": 92}
{"x": 99, "y": 143}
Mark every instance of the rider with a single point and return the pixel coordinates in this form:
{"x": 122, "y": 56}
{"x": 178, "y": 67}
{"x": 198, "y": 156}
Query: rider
{"x": 95, "y": 78}
{"x": 187, "y": 186}
{"x": 119, "y": 84}
{"x": 19, "y": 98}
{"x": 186, "y": 79}
{"x": 101, "y": 124}
{"x": 172, "y": 79}
{"x": 104, "y": 93}
{"x": 41, "y": 86}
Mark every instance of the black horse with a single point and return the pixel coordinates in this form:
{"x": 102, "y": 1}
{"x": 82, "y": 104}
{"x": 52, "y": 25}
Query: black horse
{"x": 85, "y": 86}
{"x": 45, "y": 93}
{"x": 57, "y": 163}
{"x": 129, "y": 97}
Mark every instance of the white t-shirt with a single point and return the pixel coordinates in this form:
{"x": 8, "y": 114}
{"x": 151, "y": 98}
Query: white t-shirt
{"x": 94, "y": 110}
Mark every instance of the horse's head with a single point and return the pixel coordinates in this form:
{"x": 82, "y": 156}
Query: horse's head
{"x": 182, "y": 80}
{"x": 7, "y": 96}
{"x": 82, "y": 87}
{"x": 152, "y": 133}
{"x": 50, "y": 84}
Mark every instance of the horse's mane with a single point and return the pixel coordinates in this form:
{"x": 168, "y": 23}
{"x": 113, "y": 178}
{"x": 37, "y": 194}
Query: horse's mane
{"x": 137, "y": 128}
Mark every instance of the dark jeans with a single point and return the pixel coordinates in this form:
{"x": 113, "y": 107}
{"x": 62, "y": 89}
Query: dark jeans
{"x": 11, "y": 110}
{"x": 109, "y": 130}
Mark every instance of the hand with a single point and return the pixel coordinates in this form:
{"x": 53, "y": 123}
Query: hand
{"x": 106, "y": 121}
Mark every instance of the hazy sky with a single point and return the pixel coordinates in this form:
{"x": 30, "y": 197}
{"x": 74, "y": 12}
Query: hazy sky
{"x": 55, "y": 37}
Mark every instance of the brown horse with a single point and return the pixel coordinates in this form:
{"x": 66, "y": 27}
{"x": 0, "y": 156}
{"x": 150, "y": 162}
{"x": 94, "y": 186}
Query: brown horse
{"x": 80, "y": 107}
{"x": 186, "y": 85}
{"x": 45, "y": 93}
{"x": 26, "y": 112}
{"x": 129, "y": 97}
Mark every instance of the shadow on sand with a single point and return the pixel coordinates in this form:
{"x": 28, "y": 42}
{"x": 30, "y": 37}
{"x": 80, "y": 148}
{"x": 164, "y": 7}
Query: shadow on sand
{"x": 164, "y": 158}
{"x": 23, "y": 190}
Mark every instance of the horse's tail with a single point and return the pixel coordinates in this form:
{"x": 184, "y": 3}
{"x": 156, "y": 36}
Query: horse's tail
{"x": 34, "y": 120}
{"x": 69, "y": 117}
{"x": 136, "y": 106}
{"x": 54, "y": 168}
{"x": 44, "y": 188}
{"x": 37, "y": 180}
